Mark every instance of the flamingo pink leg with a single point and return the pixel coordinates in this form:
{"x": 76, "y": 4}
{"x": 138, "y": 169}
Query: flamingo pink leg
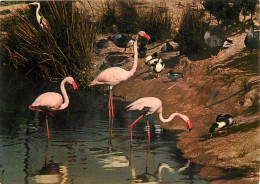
{"x": 47, "y": 126}
{"x": 109, "y": 105}
{"x": 112, "y": 105}
{"x": 148, "y": 131}
{"x": 131, "y": 126}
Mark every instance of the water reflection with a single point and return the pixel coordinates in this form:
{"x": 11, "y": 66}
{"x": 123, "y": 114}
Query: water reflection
{"x": 87, "y": 148}
{"x": 155, "y": 177}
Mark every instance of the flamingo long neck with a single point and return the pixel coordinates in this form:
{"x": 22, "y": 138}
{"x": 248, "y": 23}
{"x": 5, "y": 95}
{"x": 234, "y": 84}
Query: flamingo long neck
{"x": 65, "y": 95}
{"x": 183, "y": 117}
{"x": 132, "y": 71}
{"x": 37, "y": 12}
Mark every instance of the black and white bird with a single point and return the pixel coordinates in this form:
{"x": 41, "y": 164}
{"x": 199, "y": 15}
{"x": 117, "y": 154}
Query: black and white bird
{"x": 167, "y": 48}
{"x": 150, "y": 59}
{"x": 223, "y": 121}
{"x": 142, "y": 50}
{"x": 122, "y": 41}
{"x": 252, "y": 39}
{"x": 216, "y": 41}
{"x": 43, "y": 22}
{"x": 174, "y": 75}
{"x": 157, "y": 66}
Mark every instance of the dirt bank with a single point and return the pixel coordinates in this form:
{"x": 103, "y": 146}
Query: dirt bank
{"x": 227, "y": 84}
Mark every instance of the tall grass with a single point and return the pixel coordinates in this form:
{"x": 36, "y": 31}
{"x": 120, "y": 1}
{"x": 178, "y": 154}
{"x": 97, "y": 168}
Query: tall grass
{"x": 125, "y": 16}
{"x": 65, "y": 51}
{"x": 191, "y": 31}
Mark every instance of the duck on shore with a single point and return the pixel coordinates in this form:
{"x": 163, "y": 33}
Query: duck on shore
{"x": 216, "y": 41}
{"x": 157, "y": 67}
{"x": 150, "y": 59}
{"x": 174, "y": 76}
{"x": 167, "y": 48}
{"x": 223, "y": 121}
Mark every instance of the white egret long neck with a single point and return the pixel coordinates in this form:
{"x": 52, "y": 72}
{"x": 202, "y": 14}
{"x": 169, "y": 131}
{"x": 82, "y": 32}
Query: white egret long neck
{"x": 132, "y": 71}
{"x": 183, "y": 117}
{"x": 65, "y": 95}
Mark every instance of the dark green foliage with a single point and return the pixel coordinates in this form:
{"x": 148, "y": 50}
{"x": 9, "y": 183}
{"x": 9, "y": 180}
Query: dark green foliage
{"x": 191, "y": 32}
{"x": 65, "y": 51}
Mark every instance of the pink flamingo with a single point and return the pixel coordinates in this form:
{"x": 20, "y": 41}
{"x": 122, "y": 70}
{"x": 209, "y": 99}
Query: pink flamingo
{"x": 51, "y": 101}
{"x": 114, "y": 75}
{"x": 150, "y": 105}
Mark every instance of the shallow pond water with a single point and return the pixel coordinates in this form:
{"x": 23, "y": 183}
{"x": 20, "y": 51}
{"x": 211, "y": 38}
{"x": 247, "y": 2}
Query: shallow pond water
{"x": 81, "y": 149}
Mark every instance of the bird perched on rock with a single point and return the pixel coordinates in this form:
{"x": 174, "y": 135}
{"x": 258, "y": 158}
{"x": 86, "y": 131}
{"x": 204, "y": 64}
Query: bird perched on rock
{"x": 216, "y": 41}
{"x": 252, "y": 39}
{"x": 142, "y": 50}
{"x": 223, "y": 121}
{"x": 150, "y": 59}
{"x": 157, "y": 66}
{"x": 167, "y": 48}
{"x": 122, "y": 41}
{"x": 174, "y": 75}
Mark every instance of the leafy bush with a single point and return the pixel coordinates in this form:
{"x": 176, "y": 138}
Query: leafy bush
{"x": 191, "y": 32}
{"x": 67, "y": 50}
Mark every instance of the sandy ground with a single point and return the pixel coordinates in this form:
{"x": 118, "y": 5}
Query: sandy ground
{"x": 202, "y": 96}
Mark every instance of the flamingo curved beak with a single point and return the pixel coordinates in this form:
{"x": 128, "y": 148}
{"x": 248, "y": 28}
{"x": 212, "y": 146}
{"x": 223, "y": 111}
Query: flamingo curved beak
{"x": 147, "y": 37}
{"x": 74, "y": 85}
{"x": 189, "y": 125}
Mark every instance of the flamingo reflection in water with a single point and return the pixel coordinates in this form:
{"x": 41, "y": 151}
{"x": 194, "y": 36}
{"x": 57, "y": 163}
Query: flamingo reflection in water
{"x": 155, "y": 177}
{"x": 51, "y": 172}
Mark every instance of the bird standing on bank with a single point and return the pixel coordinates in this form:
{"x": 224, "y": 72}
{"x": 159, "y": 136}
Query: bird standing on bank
{"x": 122, "y": 41}
{"x": 43, "y": 22}
{"x": 51, "y": 101}
{"x": 150, "y": 105}
{"x": 114, "y": 75}
{"x": 252, "y": 39}
{"x": 223, "y": 121}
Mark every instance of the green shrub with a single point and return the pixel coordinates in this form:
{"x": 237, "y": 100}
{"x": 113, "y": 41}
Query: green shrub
{"x": 65, "y": 51}
{"x": 191, "y": 32}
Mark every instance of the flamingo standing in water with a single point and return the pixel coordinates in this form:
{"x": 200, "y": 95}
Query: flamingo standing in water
{"x": 51, "y": 101}
{"x": 114, "y": 75}
{"x": 150, "y": 105}
{"x": 43, "y": 22}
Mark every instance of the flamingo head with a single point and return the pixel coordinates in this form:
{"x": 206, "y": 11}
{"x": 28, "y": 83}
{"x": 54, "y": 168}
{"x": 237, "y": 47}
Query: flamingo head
{"x": 142, "y": 33}
{"x": 34, "y": 3}
{"x": 71, "y": 81}
{"x": 189, "y": 125}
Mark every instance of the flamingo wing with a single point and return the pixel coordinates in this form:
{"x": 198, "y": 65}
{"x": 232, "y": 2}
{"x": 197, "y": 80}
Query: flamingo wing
{"x": 49, "y": 100}
{"x": 151, "y": 104}
{"x": 111, "y": 76}
{"x": 45, "y": 24}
